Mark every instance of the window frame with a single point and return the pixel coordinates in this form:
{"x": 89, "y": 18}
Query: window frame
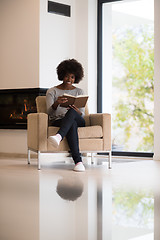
{"x": 99, "y": 75}
{"x": 99, "y": 51}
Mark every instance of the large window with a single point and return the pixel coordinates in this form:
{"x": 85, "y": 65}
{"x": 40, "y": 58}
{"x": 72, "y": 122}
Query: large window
{"x": 126, "y": 62}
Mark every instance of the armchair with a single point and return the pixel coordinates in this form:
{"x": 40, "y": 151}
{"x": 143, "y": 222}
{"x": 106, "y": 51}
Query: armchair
{"x": 94, "y": 137}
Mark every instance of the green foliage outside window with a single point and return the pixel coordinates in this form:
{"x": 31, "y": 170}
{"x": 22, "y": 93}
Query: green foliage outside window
{"x": 133, "y": 49}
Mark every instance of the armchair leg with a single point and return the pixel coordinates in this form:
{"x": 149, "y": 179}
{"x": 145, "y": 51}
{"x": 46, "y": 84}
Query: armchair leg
{"x": 92, "y": 159}
{"x": 29, "y": 156}
{"x": 39, "y": 165}
{"x": 110, "y": 160}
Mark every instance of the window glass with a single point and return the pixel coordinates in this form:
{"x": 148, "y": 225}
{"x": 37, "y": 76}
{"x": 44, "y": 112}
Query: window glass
{"x": 128, "y": 70}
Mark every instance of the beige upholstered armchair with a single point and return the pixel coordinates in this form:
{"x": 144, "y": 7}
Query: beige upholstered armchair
{"x": 94, "y": 137}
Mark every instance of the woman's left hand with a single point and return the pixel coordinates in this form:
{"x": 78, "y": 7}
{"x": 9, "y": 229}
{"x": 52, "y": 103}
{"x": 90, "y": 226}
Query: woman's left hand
{"x": 75, "y": 108}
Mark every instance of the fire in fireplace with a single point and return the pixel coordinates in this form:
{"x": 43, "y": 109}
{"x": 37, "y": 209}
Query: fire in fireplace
{"x": 16, "y": 104}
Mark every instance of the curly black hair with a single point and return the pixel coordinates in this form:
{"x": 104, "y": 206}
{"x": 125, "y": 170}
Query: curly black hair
{"x": 71, "y": 66}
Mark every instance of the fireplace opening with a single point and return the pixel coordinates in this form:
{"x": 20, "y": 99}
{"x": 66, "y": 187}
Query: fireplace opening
{"x": 16, "y": 104}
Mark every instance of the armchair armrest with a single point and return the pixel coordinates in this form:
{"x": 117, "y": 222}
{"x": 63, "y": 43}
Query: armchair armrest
{"x": 104, "y": 120}
{"x": 37, "y": 125}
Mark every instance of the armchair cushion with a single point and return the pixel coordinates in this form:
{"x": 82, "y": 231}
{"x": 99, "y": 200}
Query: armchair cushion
{"x": 83, "y": 132}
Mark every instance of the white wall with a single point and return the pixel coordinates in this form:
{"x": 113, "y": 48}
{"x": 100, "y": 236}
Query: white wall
{"x": 13, "y": 141}
{"x": 81, "y": 38}
{"x": 57, "y": 41}
{"x": 86, "y": 47}
{"x": 92, "y": 55}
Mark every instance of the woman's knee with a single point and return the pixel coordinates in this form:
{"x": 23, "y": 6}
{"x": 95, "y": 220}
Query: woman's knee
{"x": 71, "y": 112}
{"x": 73, "y": 116}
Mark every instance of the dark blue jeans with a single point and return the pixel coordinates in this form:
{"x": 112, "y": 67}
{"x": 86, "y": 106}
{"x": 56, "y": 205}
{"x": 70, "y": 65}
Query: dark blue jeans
{"x": 68, "y": 127}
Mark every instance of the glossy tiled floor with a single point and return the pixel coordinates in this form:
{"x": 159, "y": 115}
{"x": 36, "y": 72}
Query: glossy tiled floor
{"x": 59, "y": 204}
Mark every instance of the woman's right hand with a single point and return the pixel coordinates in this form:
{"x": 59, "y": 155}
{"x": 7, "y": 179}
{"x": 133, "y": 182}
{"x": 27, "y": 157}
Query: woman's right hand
{"x": 61, "y": 99}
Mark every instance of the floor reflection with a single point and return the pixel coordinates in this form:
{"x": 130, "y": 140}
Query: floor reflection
{"x": 57, "y": 203}
{"x": 63, "y": 206}
{"x": 132, "y": 214}
{"x": 92, "y": 209}
{"x": 69, "y": 188}
{"x": 19, "y": 204}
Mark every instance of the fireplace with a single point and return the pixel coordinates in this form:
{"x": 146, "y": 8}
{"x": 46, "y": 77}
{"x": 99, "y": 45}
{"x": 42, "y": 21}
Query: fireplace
{"x": 16, "y": 104}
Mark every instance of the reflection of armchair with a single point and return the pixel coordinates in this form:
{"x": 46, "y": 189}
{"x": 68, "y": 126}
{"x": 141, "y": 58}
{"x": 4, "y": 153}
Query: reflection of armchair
{"x": 94, "y": 137}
